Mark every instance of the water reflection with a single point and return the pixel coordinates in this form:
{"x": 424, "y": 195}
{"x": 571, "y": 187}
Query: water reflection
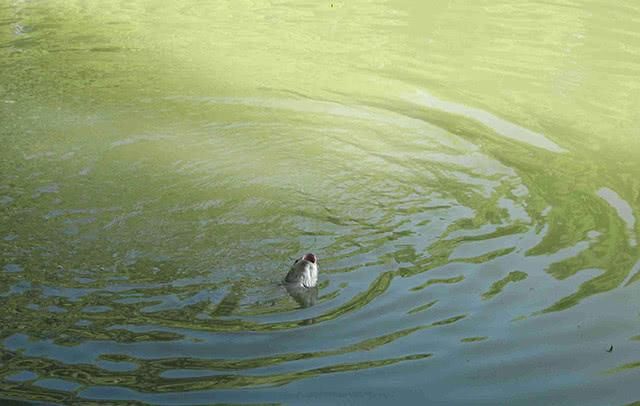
{"x": 305, "y": 297}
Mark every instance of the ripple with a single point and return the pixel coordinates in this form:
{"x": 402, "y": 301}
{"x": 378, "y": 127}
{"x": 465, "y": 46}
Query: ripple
{"x": 501, "y": 126}
{"x": 426, "y": 214}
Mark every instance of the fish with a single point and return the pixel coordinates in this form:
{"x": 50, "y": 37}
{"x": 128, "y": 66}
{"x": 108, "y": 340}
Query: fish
{"x": 303, "y": 272}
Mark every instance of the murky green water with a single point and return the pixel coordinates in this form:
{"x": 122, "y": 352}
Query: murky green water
{"x": 467, "y": 172}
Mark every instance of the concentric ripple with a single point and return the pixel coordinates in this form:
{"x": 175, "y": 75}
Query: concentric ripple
{"x": 410, "y": 221}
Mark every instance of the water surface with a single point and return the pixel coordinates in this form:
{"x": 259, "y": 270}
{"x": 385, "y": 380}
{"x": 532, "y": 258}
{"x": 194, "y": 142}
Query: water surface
{"x": 467, "y": 173}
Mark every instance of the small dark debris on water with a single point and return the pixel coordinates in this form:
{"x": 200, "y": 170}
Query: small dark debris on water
{"x": 610, "y": 349}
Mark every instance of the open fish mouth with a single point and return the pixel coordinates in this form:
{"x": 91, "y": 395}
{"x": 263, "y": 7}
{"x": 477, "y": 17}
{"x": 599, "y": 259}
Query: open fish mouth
{"x": 311, "y": 258}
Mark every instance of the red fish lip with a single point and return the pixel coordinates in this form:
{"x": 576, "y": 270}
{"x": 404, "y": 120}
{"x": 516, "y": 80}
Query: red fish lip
{"x": 311, "y": 258}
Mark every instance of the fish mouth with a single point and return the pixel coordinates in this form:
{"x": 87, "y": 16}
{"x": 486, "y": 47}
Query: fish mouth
{"x": 311, "y": 258}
